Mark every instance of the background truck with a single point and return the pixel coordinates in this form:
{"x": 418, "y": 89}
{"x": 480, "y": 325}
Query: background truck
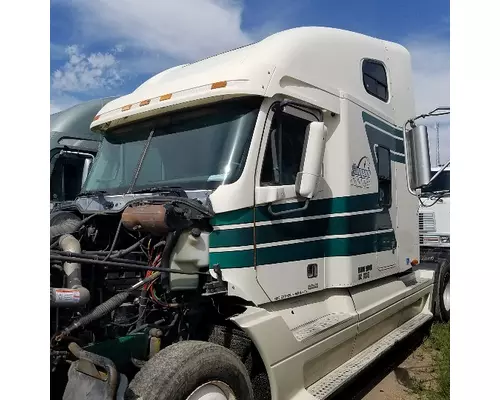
{"x": 434, "y": 218}
{"x": 72, "y": 149}
{"x": 249, "y": 228}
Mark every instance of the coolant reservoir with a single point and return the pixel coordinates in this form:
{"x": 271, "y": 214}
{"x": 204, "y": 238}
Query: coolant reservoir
{"x": 190, "y": 254}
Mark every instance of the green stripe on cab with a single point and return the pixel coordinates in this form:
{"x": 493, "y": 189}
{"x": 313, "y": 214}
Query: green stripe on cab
{"x": 316, "y": 207}
{"x": 335, "y": 247}
{"x": 277, "y": 232}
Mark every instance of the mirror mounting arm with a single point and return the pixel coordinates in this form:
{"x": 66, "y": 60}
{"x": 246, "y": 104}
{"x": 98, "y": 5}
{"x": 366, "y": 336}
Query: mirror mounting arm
{"x": 417, "y": 154}
{"x": 77, "y": 153}
{"x": 439, "y": 172}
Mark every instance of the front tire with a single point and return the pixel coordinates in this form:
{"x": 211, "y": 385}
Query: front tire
{"x": 192, "y": 370}
{"x": 442, "y": 305}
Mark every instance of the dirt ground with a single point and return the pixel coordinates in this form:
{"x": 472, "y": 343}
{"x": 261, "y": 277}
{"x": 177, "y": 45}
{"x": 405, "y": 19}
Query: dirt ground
{"x": 418, "y": 367}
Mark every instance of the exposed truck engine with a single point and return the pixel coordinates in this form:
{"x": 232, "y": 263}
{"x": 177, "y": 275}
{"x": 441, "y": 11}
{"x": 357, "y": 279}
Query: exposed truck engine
{"x": 122, "y": 270}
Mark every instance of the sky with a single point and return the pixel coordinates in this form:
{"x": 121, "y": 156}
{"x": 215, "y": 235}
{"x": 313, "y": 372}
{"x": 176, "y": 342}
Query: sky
{"x": 101, "y": 48}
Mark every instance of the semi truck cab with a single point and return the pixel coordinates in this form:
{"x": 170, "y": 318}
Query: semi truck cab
{"x": 72, "y": 149}
{"x": 249, "y": 225}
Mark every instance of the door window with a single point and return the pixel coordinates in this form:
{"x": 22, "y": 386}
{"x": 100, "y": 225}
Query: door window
{"x": 283, "y": 154}
{"x": 384, "y": 176}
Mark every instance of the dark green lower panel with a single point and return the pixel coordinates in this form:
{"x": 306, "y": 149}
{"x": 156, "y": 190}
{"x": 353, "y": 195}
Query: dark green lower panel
{"x": 122, "y": 349}
{"x": 334, "y": 205}
{"x": 327, "y": 226}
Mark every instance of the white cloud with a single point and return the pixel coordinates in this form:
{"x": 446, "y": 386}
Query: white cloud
{"x": 119, "y": 48}
{"x": 180, "y": 30}
{"x": 83, "y": 73}
{"x": 431, "y": 71}
{"x": 145, "y": 37}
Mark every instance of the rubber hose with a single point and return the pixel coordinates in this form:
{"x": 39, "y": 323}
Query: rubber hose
{"x": 70, "y": 224}
{"x": 64, "y": 227}
{"x": 111, "y": 263}
{"x": 170, "y": 242}
{"x": 96, "y": 257}
{"x": 143, "y": 300}
{"x": 118, "y": 253}
{"x": 123, "y": 252}
{"x": 105, "y": 308}
{"x": 100, "y": 311}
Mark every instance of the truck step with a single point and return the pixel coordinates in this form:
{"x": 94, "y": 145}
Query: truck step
{"x": 329, "y": 384}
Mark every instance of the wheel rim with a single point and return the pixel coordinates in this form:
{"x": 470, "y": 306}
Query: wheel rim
{"x": 446, "y": 296}
{"x": 213, "y": 390}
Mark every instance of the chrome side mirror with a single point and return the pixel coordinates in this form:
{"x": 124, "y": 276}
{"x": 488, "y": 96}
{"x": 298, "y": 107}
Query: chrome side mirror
{"x": 418, "y": 157}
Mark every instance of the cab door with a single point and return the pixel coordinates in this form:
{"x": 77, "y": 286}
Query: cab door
{"x": 289, "y": 256}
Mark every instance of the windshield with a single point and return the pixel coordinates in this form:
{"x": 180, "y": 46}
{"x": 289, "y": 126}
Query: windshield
{"x": 440, "y": 184}
{"x": 193, "y": 149}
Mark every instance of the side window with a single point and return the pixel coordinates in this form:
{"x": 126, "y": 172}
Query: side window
{"x": 66, "y": 178}
{"x": 384, "y": 176}
{"x": 375, "y": 79}
{"x": 283, "y": 153}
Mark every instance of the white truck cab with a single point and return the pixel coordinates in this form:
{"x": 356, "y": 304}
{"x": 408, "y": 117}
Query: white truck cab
{"x": 434, "y": 217}
{"x": 301, "y": 153}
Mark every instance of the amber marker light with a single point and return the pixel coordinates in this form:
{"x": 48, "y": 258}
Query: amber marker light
{"x": 219, "y": 85}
